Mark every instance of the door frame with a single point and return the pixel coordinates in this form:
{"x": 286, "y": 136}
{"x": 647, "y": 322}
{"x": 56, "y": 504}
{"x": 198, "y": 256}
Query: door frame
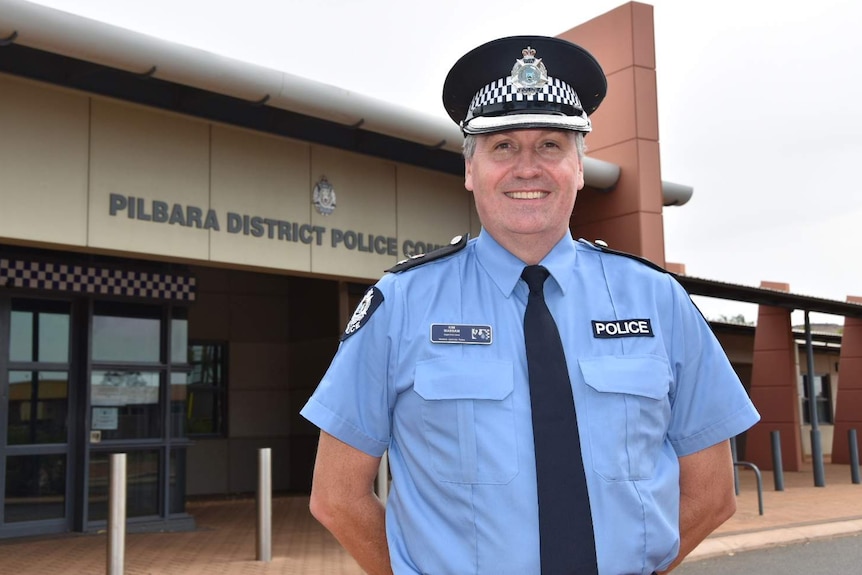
{"x": 53, "y": 525}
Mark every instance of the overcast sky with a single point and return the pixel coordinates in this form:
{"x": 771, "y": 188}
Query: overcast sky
{"x": 760, "y": 105}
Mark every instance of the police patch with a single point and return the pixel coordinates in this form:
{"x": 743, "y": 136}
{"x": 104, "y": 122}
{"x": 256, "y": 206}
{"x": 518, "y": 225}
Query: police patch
{"x": 370, "y": 302}
{"x": 622, "y": 328}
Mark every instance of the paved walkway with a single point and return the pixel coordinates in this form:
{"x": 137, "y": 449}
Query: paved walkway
{"x": 224, "y": 543}
{"x": 800, "y": 513}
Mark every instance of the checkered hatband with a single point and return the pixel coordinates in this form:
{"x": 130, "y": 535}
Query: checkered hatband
{"x": 502, "y": 95}
{"x": 95, "y": 280}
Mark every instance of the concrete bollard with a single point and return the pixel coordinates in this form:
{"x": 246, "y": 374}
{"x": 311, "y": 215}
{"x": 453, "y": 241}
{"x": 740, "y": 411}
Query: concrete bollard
{"x": 263, "y": 533}
{"x": 117, "y": 515}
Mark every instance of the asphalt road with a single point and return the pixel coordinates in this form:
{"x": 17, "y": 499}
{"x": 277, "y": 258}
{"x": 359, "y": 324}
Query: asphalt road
{"x": 842, "y": 555}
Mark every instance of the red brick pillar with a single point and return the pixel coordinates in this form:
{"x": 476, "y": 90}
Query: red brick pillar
{"x": 848, "y": 401}
{"x": 774, "y": 387}
{"x": 629, "y": 217}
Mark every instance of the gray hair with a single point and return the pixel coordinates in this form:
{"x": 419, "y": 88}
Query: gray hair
{"x": 469, "y": 146}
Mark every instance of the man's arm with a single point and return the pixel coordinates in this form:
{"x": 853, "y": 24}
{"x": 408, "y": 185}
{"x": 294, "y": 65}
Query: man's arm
{"x": 707, "y": 497}
{"x": 343, "y": 500}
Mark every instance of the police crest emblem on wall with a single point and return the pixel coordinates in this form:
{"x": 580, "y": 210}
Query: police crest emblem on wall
{"x": 323, "y": 197}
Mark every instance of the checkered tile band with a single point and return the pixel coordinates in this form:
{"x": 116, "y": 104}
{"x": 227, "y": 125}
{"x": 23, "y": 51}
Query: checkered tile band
{"x": 95, "y": 280}
{"x": 503, "y": 91}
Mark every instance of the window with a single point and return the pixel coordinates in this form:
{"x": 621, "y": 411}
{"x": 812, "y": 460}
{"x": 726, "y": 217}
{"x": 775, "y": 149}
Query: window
{"x": 125, "y": 404}
{"x": 35, "y": 487}
{"x": 40, "y": 331}
{"x": 38, "y": 393}
{"x": 126, "y": 333}
{"x": 822, "y": 399}
{"x": 38, "y": 407}
{"x": 207, "y": 389}
{"x": 143, "y": 468}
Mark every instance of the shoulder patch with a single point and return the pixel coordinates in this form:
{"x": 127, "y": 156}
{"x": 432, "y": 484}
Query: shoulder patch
{"x": 370, "y": 301}
{"x": 457, "y": 244}
{"x": 603, "y": 247}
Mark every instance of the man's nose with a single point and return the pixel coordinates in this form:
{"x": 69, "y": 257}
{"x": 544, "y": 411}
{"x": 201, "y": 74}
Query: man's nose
{"x": 527, "y": 164}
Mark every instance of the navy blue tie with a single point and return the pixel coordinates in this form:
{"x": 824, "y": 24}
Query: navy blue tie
{"x": 566, "y": 540}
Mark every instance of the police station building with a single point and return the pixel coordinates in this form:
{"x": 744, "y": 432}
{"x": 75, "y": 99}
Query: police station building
{"x": 183, "y": 238}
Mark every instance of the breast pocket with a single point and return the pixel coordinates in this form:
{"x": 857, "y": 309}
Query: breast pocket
{"x": 629, "y": 411}
{"x": 468, "y": 419}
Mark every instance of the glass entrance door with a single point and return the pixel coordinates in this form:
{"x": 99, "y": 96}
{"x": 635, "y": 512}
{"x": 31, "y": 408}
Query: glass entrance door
{"x": 137, "y": 389}
{"x": 35, "y": 387}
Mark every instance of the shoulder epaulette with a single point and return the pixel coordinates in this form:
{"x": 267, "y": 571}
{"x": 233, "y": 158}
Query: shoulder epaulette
{"x": 603, "y": 247}
{"x": 455, "y": 245}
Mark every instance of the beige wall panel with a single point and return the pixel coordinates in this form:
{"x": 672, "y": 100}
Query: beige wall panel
{"x": 365, "y": 204}
{"x": 260, "y": 176}
{"x": 43, "y": 163}
{"x": 152, "y": 155}
{"x": 432, "y": 209}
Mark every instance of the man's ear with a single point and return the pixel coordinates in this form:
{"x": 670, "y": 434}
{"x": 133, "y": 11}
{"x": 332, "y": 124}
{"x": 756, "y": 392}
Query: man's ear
{"x": 468, "y": 174}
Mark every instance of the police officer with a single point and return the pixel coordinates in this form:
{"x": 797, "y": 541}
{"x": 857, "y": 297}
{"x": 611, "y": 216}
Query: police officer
{"x": 432, "y": 366}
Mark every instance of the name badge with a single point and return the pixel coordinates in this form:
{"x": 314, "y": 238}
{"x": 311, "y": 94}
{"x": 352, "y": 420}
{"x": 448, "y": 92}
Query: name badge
{"x": 453, "y": 333}
{"x": 623, "y": 328}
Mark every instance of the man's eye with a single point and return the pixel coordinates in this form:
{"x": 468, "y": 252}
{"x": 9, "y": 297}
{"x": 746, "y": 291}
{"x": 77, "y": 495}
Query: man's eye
{"x": 502, "y": 146}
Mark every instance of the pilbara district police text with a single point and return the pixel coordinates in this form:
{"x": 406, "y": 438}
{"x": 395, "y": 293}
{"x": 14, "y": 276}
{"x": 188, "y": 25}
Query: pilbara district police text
{"x": 261, "y": 227}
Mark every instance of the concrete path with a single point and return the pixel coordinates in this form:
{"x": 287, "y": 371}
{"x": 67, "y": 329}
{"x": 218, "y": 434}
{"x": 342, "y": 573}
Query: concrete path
{"x": 224, "y": 543}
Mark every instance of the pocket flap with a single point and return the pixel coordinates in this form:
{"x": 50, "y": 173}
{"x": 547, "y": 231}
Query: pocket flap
{"x": 644, "y": 375}
{"x": 445, "y": 378}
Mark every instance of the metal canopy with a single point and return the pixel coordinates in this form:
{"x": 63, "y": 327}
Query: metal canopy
{"x": 51, "y": 45}
{"x": 766, "y": 296}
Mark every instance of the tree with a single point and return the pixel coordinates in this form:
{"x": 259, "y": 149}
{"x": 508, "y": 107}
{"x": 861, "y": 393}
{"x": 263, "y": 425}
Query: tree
{"x": 737, "y": 319}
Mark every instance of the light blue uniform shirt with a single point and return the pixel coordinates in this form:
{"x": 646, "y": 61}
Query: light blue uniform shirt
{"x": 456, "y": 419}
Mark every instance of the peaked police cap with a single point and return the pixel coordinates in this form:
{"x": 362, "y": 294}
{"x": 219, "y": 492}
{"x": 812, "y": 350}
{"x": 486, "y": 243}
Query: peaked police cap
{"x": 524, "y": 82}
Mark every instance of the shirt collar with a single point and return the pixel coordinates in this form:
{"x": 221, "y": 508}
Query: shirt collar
{"x": 505, "y": 269}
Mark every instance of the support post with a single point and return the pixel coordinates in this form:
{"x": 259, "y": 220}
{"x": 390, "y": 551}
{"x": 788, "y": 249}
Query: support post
{"x": 854, "y": 455}
{"x": 777, "y": 465}
{"x": 816, "y": 448}
{"x": 117, "y": 515}
{"x": 264, "y": 505}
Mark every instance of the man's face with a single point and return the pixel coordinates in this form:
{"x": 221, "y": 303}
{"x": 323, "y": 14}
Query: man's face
{"x": 525, "y": 183}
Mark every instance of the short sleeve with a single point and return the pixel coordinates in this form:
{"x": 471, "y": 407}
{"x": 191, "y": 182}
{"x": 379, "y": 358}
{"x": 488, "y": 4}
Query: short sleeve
{"x": 353, "y": 400}
{"x": 708, "y": 402}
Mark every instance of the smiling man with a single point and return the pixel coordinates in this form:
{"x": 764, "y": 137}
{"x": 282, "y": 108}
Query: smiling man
{"x": 549, "y": 406}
